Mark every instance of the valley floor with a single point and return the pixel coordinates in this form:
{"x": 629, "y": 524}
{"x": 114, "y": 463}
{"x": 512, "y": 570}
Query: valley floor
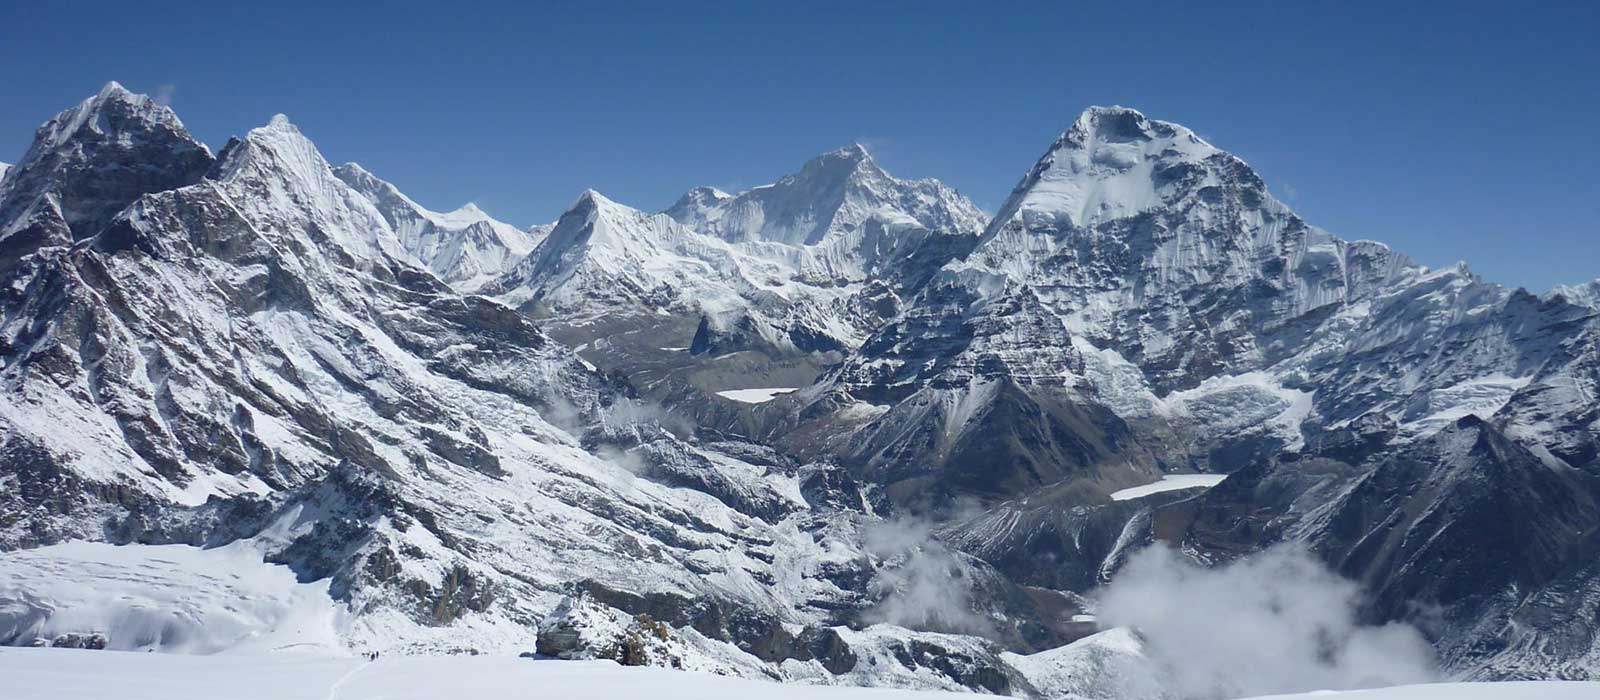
{"x": 69, "y": 674}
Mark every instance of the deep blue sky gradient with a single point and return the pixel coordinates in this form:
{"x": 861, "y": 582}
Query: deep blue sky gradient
{"x": 1460, "y": 130}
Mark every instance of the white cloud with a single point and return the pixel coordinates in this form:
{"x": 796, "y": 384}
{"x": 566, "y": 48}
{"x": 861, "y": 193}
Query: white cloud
{"x": 920, "y": 580}
{"x": 1274, "y": 622}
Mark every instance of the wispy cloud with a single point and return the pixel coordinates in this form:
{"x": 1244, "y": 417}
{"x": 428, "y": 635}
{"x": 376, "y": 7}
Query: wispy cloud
{"x": 163, "y": 94}
{"x": 920, "y": 580}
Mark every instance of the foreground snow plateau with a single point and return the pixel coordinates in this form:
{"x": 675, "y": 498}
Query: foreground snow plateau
{"x": 69, "y": 673}
{"x": 171, "y": 598}
{"x": 65, "y": 674}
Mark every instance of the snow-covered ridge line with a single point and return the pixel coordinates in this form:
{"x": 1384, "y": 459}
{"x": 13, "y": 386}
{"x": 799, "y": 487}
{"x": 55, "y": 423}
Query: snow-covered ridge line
{"x": 466, "y": 248}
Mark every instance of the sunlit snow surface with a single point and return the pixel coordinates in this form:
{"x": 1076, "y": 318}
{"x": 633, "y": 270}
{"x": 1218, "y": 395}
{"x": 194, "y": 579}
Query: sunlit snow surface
{"x": 1527, "y": 690}
{"x": 755, "y": 395}
{"x": 71, "y": 674}
{"x": 1170, "y": 482}
{"x": 171, "y": 598}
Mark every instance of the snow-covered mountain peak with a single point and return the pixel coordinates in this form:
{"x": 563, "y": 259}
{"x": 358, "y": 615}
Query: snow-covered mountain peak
{"x": 592, "y": 199}
{"x": 704, "y": 193}
{"x": 466, "y": 248}
{"x": 697, "y": 205}
{"x": 837, "y": 165}
{"x": 1579, "y": 294}
{"x": 280, "y": 140}
{"x": 1112, "y": 163}
{"x": 375, "y": 187}
{"x": 114, "y": 111}
{"x": 112, "y": 114}
{"x": 112, "y": 87}
{"x": 1118, "y": 123}
{"x": 469, "y": 210}
{"x": 598, "y": 251}
{"x": 832, "y": 196}
{"x": 292, "y": 190}
{"x": 92, "y": 160}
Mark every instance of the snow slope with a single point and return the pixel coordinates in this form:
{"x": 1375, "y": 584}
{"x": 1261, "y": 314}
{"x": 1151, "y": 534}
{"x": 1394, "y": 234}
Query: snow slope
{"x": 755, "y": 395}
{"x": 466, "y": 248}
{"x": 171, "y": 598}
{"x": 68, "y": 674}
{"x": 1170, "y": 482}
{"x": 1545, "y": 690}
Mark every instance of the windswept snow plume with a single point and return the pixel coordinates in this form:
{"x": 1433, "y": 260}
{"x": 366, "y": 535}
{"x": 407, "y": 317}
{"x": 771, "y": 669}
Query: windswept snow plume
{"x": 920, "y": 578}
{"x": 1275, "y": 622}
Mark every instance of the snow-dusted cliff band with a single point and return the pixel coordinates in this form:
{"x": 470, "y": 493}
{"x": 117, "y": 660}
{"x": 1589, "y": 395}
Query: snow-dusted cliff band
{"x": 840, "y": 429}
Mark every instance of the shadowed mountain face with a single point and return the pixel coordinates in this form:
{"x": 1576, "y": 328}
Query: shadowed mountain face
{"x": 499, "y": 439}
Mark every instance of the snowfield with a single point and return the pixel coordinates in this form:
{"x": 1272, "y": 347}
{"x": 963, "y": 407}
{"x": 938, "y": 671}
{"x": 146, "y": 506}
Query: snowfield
{"x": 65, "y": 674}
{"x": 755, "y": 395}
{"x": 1539, "y": 690}
{"x": 171, "y": 598}
{"x": 69, "y": 674}
{"x": 1170, "y": 482}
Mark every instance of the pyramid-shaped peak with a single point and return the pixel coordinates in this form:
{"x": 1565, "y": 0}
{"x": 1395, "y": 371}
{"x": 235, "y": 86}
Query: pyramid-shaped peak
{"x": 114, "y": 93}
{"x": 98, "y": 156}
{"x": 112, "y": 110}
{"x": 1112, "y": 163}
{"x": 113, "y": 89}
{"x": 840, "y": 160}
{"x": 280, "y": 122}
{"x": 592, "y": 200}
{"x": 854, "y": 151}
{"x": 1117, "y": 124}
{"x": 591, "y": 196}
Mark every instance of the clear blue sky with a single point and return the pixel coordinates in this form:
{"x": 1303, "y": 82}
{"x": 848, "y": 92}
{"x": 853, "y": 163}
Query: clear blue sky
{"x": 1461, "y": 131}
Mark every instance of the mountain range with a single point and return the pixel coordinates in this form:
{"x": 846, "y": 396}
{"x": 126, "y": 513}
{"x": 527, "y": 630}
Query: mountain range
{"x": 845, "y": 428}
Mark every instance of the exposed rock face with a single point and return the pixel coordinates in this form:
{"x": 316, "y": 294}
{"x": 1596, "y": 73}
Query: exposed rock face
{"x": 1466, "y": 531}
{"x": 1142, "y": 304}
{"x": 88, "y": 164}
